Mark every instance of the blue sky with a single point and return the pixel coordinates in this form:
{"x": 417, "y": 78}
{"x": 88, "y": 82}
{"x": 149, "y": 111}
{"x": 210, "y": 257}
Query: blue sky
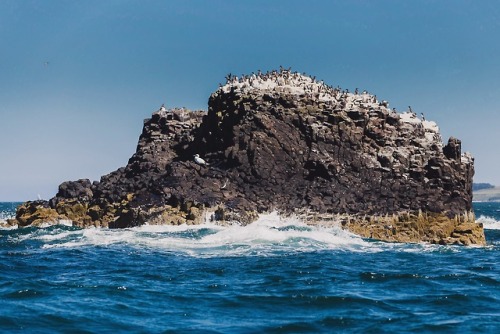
{"x": 78, "y": 77}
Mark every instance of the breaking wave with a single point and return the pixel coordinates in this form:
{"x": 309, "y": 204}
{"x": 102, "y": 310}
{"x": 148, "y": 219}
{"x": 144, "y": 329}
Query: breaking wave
{"x": 489, "y": 223}
{"x": 7, "y": 211}
{"x": 6, "y": 214}
{"x": 269, "y": 235}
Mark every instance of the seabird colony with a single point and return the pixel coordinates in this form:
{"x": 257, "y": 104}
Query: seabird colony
{"x": 287, "y": 82}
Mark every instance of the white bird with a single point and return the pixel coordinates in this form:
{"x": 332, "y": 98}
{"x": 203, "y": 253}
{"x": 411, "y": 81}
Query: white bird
{"x": 199, "y": 160}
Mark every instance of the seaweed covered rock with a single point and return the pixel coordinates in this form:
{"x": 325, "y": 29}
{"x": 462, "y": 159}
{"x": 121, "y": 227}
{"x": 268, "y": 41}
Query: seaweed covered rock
{"x": 286, "y": 142}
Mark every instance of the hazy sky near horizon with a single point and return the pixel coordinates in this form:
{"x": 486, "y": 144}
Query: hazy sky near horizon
{"x": 78, "y": 77}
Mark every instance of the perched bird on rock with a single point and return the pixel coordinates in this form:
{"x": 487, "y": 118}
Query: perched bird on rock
{"x": 199, "y": 160}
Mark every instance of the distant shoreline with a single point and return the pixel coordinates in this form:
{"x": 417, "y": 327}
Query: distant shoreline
{"x": 486, "y": 195}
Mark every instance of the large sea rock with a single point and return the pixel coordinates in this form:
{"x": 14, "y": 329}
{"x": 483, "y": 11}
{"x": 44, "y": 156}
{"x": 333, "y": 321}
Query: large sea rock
{"x": 282, "y": 141}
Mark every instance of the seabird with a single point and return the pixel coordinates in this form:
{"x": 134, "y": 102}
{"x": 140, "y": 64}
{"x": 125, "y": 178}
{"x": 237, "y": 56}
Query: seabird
{"x": 199, "y": 160}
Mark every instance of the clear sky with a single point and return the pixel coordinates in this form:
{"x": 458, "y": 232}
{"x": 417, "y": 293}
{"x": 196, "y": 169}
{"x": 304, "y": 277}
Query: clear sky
{"x": 78, "y": 77}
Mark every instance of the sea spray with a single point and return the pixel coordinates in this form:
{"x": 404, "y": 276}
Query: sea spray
{"x": 268, "y": 235}
{"x": 489, "y": 223}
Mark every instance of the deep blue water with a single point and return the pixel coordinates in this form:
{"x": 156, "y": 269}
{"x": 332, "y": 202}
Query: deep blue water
{"x": 274, "y": 276}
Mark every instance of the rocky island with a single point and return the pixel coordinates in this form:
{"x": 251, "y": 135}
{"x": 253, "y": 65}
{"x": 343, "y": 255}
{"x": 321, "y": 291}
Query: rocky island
{"x": 283, "y": 141}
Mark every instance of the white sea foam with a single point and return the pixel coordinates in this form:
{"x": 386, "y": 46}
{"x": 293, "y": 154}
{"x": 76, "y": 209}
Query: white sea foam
{"x": 268, "y": 235}
{"x": 62, "y": 222}
{"x": 5, "y": 226}
{"x": 489, "y": 223}
{"x": 4, "y": 215}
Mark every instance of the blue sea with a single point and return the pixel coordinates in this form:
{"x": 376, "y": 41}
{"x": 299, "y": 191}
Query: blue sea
{"x": 274, "y": 276}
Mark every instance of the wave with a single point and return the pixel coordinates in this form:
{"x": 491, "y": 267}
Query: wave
{"x": 3, "y": 221}
{"x": 7, "y": 211}
{"x": 269, "y": 235}
{"x": 5, "y": 226}
{"x": 489, "y": 223}
{"x": 4, "y": 215}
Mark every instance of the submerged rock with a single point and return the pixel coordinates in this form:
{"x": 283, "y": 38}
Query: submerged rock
{"x": 283, "y": 141}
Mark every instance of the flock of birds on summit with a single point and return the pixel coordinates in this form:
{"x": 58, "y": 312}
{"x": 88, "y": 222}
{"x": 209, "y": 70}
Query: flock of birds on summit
{"x": 286, "y": 81}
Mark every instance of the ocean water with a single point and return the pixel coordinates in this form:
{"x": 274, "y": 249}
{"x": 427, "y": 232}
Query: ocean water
{"x": 273, "y": 276}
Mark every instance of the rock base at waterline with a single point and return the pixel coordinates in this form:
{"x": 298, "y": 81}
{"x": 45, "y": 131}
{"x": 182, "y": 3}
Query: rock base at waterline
{"x": 410, "y": 227}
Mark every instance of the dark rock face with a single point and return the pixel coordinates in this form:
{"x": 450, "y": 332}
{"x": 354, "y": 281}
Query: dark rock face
{"x": 282, "y": 141}
{"x": 346, "y": 157}
{"x": 75, "y": 189}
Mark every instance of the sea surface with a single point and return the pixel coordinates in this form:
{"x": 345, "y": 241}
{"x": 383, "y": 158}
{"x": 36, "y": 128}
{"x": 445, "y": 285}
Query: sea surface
{"x": 273, "y": 276}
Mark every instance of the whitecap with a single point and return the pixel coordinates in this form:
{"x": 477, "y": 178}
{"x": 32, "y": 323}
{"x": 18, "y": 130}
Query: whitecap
{"x": 270, "y": 234}
{"x": 5, "y": 226}
{"x": 4, "y": 215}
{"x": 60, "y": 222}
{"x": 489, "y": 223}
